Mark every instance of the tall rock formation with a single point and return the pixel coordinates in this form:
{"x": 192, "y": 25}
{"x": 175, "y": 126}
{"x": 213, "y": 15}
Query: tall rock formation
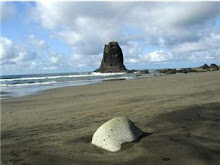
{"x": 112, "y": 60}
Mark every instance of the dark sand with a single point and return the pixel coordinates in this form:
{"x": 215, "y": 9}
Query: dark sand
{"x": 55, "y": 127}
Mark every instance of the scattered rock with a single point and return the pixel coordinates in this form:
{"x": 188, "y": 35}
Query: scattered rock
{"x": 112, "y": 134}
{"x": 186, "y": 70}
{"x": 144, "y": 71}
{"x": 205, "y": 66}
{"x": 213, "y": 67}
{"x": 168, "y": 71}
{"x": 171, "y": 71}
{"x": 112, "y": 60}
{"x": 131, "y": 71}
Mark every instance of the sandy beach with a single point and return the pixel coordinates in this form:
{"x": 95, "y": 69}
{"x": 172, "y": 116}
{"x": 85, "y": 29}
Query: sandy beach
{"x": 179, "y": 112}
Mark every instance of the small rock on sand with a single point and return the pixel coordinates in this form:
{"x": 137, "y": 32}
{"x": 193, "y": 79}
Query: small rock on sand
{"x": 112, "y": 134}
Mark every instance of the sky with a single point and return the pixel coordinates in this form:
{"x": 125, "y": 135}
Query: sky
{"x": 51, "y": 37}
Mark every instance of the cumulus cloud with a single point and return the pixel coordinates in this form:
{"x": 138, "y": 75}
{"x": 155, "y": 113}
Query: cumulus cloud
{"x": 37, "y": 43}
{"x": 87, "y": 26}
{"x": 205, "y": 55}
{"x": 14, "y": 53}
{"x": 132, "y": 48}
{"x": 159, "y": 56}
{"x": 148, "y": 32}
{"x": 209, "y": 42}
{"x": 55, "y": 58}
{"x": 133, "y": 60}
{"x": 54, "y": 61}
{"x": 77, "y": 60}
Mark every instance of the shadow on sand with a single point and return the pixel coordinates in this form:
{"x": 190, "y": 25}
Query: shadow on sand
{"x": 185, "y": 136}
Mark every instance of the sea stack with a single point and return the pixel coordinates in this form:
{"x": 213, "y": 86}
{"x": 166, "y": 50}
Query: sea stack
{"x": 112, "y": 60}
{"x": 112, "y": 134}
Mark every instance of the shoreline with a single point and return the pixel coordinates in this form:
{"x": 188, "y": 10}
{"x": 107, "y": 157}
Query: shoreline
{"x": 91, "y": 83}
{"x": 43, "y": 90}
{"x": 68, "y": 84}
{"x": 56, "y": 126}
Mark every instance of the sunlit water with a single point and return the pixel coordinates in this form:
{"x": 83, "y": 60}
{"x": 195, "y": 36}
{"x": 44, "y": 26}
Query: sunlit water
{"x": 21, "y": 85}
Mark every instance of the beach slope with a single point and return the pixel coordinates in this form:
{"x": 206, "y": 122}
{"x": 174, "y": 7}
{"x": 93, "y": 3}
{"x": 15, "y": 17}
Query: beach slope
{"x": 180, "y": 115}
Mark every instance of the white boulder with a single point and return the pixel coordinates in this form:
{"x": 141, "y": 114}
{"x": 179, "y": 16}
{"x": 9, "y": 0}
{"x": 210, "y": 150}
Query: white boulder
{"x": 112, "y": 134}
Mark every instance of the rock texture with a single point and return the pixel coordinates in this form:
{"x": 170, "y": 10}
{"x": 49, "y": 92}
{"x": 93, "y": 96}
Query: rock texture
{"x": 205, "y": 66}
{"x": 112, "y": 59}
{"x": 213, "y": 67}
{"x": 168, "y": 71}
{"x": 186, "y": 70}
{"x": 145, "y": 71}
{"x": 112, "y": 134}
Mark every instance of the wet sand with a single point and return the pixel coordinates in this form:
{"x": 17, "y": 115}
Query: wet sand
{"x": 179, "y": 113}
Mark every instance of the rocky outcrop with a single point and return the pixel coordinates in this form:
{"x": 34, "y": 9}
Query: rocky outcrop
{"x": 132, "y": 71}
{"x": 186, "y": 70}
{"x": 145, "y": 71}
{"x": 213, "y": 67}
{"x": 205, "y": 66}
{"x": 112, "y": 59}
{"x": 168, "y": 71}
{"x": 112, "y": 134}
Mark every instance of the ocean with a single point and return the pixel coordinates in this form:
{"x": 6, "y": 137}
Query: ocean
{"x": 22, "y": 85}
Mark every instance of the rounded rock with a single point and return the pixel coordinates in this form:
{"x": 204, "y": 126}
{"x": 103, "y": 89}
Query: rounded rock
{"x": 112, "y": 134}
